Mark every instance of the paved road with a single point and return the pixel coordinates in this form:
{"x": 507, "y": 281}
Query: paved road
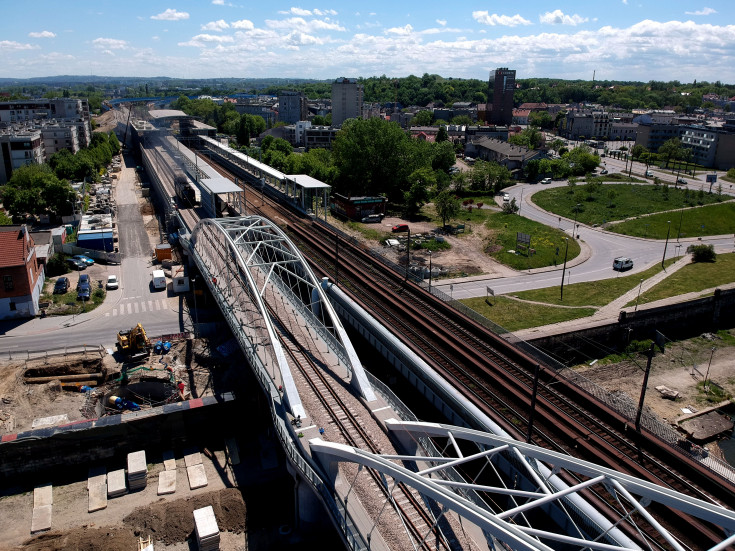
{"x": 599, "y": 248}
{"x": 160, "y": 312}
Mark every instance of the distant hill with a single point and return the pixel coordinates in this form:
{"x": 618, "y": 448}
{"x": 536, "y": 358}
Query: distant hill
{"x": 76, "y": 80}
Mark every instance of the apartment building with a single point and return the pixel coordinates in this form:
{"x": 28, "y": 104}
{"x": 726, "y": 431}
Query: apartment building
{"x": 589, "y": 124}
{"x": 71, "y": 111}
{"x": 292, "y": 107}
{"x": 502, "y": 87}
{"x": 347, "y": 98}
{"x": 22, "y": 276}
{"x": 19, "y": 148}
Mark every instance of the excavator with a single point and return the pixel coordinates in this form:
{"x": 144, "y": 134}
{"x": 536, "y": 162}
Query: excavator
{"x": 134, "y": 341}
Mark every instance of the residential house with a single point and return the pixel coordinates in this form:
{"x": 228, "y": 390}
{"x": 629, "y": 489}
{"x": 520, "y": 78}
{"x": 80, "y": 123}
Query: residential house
{"x": 22, "y": 276}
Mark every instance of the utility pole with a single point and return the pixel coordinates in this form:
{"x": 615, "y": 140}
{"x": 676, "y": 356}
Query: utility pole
{"x": 643, "y": 389}
{"x": 666, "y": 244}
{"x": 564, "y": 269}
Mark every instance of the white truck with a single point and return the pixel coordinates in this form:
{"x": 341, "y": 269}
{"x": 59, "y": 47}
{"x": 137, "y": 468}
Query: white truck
{"x": 158, "y": 278}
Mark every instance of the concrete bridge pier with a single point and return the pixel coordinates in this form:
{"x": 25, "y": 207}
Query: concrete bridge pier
{"x": 308, "y": 510}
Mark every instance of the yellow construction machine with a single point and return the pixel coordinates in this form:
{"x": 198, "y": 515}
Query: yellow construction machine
{"x": 134, "y": 341}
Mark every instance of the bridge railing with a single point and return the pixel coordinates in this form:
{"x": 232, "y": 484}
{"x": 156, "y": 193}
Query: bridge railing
{"x": 285, "y": 433}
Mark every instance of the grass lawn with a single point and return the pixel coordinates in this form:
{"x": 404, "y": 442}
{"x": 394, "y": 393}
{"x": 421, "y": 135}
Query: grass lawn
{"x": 549, "y": 243}
{"x": 693, "y": 278}
{"x": 591, "y": 293}
{"x": 604, "y": 203}
{"x": 717, "y": 220}
{"x": 67, "y": 304}
{"x": 514, "y": 315}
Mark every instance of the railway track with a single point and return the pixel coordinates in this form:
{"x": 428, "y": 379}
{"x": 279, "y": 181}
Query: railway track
{"x": 418, "y": 523}
{"x": 498, "y": 378}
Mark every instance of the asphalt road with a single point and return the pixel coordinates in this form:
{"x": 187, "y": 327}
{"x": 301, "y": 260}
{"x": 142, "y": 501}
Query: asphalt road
{"x": 160, "y": 312}
{"x": 595, "y": 262}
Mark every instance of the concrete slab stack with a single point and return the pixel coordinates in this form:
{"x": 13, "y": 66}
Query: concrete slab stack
{"x": 116, "y": 486}
{"x": 137, "y": 471}
{"x": 42, "y": 508}
{"x": 205, "y": 526}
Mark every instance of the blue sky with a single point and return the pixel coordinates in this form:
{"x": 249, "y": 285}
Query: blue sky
{"x": 619, "y": 39}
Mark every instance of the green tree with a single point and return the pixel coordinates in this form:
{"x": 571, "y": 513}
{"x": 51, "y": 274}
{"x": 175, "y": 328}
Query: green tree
{"x": 420, "y": 180}
{"x": 671, "y": 149}
{"x": 447, "y": 205}
{"x": 443, "y": 157}
{"x": 702, "y": 253}
{"x": 35, "y": 189}
{"x": 442, "y": 135}
{"x": 462, "y": 120}
{"x": 530, "y": 137}
{"x": 422, "y": 118}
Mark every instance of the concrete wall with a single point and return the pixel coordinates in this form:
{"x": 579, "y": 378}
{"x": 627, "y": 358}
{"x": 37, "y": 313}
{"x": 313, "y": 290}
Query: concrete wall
{"x": 675, "y": 321}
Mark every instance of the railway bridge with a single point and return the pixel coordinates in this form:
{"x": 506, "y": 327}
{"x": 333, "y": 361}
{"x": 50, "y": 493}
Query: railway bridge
{"x": 387, "y": 480}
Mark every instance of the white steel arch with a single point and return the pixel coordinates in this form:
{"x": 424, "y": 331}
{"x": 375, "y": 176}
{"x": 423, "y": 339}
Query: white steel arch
{"x": 433, "y": 475}
{"x": 241, "y": 258}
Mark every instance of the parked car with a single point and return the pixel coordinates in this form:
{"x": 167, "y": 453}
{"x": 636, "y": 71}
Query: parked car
{"x": 75, "y": 264}
{"x": 649, "y": 173}
{"x": 81, "y": 258}
{"x": 681, "y": 181}
{"x": 112, "y": 282}
{"x": 61, "y": 286}
{"x": 83, "y": 292}
{"x": 399, "y": 228}
{"x": 506, "y": 198}
{"x": 622, "y": 263}
{"x": 83, "y": 280}
{"x": 372, "y": 219}
{"x": 546, "y": 181}
{"x": 603, "y": 171}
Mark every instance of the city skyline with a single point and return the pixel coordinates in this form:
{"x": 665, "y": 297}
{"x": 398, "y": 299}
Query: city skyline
{"x": 635, "y": 40}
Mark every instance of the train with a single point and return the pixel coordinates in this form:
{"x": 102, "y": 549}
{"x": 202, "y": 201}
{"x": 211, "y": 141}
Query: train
{"x": 187, "y": 191}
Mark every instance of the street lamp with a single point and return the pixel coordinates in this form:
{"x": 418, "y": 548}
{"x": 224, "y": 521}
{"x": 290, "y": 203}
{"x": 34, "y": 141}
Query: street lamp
{"x": 576, "y": 211}
{"x": 429, "y": 271}
{"x": 639, "y": 295}
{"x": 563, "y": 271}
{"x": 668, "y": 231}
{"x": 193, "y": 289}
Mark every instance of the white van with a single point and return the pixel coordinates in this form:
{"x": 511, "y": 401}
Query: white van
{"x": 622, "y": 263}
{"x": 649, "y": 173}
{"x": 159, "y": 279}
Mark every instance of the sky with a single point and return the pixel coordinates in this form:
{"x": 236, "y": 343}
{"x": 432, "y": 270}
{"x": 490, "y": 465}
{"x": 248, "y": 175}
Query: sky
{"x": 638, "y": 40}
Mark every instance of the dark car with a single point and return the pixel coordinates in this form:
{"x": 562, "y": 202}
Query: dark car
{"x": 83, "y": 292}
{"x": 61, "y": 286}
{"x": 603, "y": 171}
{"x": 83, "y": 280}
{"x": 399, "y": 228}
{"x": 75, "y": 264}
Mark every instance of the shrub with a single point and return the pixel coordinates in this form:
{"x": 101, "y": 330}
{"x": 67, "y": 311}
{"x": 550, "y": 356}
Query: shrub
{"x": 702, "y": 253}
{"x": 56, "y": 266}
{"x": 731, "y": 173}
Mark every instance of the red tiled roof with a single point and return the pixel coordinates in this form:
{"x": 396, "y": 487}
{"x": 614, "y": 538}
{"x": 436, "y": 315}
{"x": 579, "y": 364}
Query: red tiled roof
{"x": 14, "y": 248}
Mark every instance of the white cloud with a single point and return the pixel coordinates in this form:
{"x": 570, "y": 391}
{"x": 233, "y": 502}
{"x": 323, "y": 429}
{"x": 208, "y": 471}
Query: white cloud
{"x": 557, "y": 17}
{"x": 243, "y": 24}
{"x": 703, "y": 11}
{"x": 485, "y": 18}
{"x": 171, "y": 15}
{"x": 296, "y": 11}
{"x": 13, "y": 45}
{"x": 218, "y": 2}
{"x": 216, "y": 26}
{"x": 155, "y": 38}
{"x": 202, "y": 40}
{"x": 300, "y": 24}
{"x": 110, "y": 43}
{"x": 42, "y": 34}
{"x": 109, "y": 53}
{"x": 442, "y": 22}
{"x": 402, "y": 31}
{"x": 325, "y": 12}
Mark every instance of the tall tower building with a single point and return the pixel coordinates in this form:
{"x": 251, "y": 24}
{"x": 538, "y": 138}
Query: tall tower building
{"x": 502, "y": 87}
{"x": 292, "y": 107}
{"x": 346, "y": 100}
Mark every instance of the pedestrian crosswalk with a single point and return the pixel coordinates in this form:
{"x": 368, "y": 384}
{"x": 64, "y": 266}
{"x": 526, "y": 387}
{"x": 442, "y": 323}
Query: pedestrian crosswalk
{"x": 140, "y": 306}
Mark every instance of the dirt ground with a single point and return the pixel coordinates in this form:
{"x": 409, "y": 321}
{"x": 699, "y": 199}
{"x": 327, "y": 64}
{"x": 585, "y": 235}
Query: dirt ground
{"x": 682, "y": 365}
{"x": 190, "y": 362}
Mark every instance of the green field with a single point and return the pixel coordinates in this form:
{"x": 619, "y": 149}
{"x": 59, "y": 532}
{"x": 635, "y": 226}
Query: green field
{"x": 515, "y": 315}
{"x": 599, "y": 203}
{"x": 694, "y": 278}
{"x": 693, "y": 222}
{"x": 549, "y": 243}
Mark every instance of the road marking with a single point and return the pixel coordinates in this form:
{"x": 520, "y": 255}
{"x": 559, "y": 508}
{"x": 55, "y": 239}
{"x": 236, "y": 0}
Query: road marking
{"x": 142, "y": 306}
{"x": 107, "y": 314}
{"x": 135, "y": 307}
{"x": 380, "y": 409}
{"x": 150, "y": 305}
{"x": 114, "y": 312}
{"x": 164, "y": 303}
{"x": 158, "y": 305}
{"x": 130, "y": 308}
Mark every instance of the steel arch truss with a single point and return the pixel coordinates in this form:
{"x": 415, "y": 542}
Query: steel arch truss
{"x": 533, "y": 493}
{"x": 252, "y": 269}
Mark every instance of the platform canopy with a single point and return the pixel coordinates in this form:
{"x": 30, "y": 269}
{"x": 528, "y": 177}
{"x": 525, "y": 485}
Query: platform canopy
{"x": 219, "y": 185}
